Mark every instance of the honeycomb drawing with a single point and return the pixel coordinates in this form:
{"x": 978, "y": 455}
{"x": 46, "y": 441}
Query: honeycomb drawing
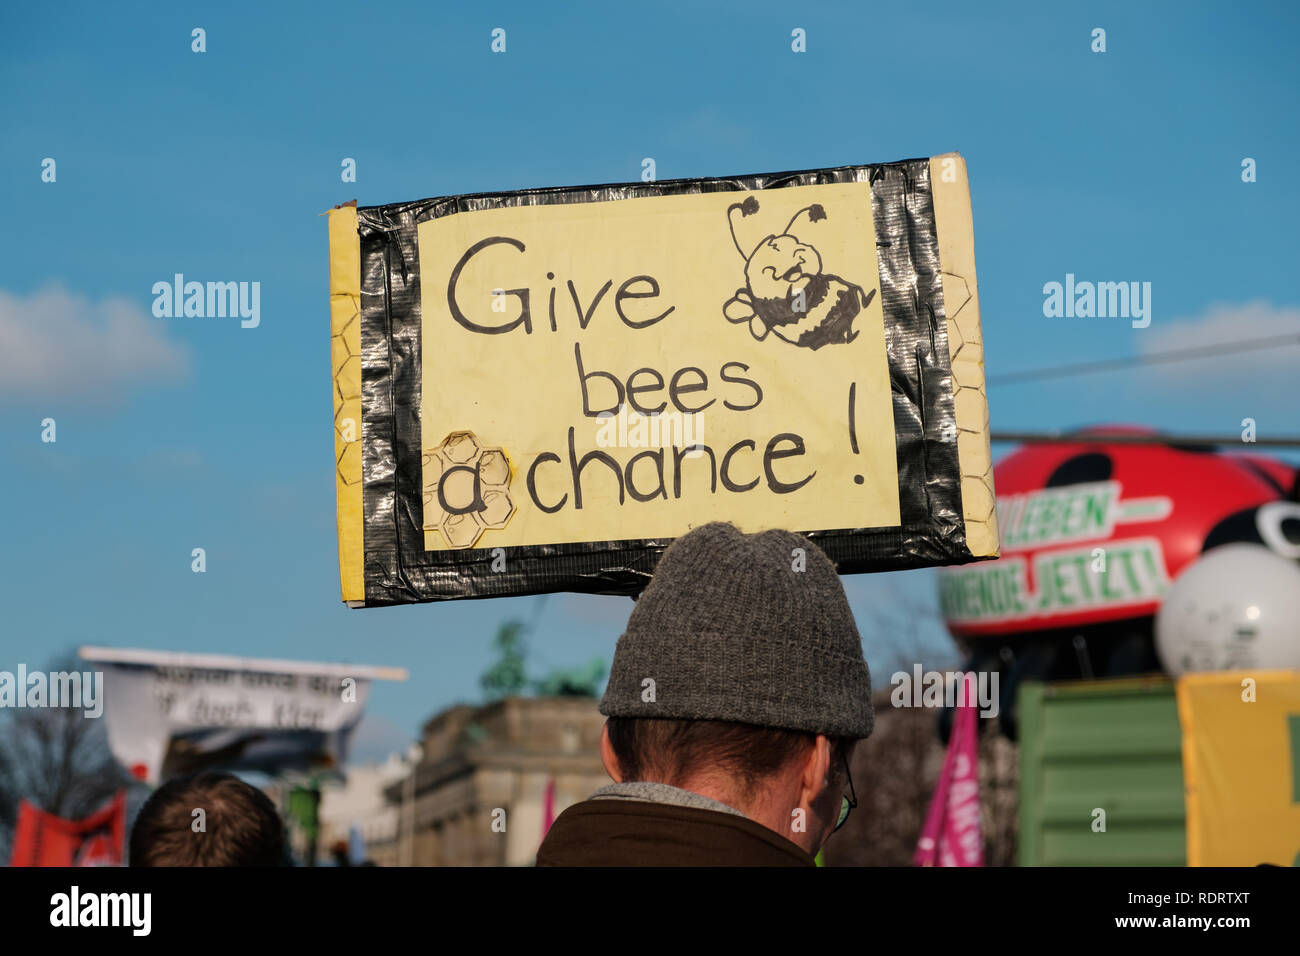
{"x": 965, "y": 351}
{"x": 345, "y": 364}
{"x": 344, "y": 349}
{"x": 475, "y": 489}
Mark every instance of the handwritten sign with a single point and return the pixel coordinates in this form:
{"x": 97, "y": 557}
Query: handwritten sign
{"x": 538, "y": 391}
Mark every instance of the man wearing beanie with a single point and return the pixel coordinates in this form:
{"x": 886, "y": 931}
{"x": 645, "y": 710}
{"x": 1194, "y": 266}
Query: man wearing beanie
{"x": 734, "y": 701}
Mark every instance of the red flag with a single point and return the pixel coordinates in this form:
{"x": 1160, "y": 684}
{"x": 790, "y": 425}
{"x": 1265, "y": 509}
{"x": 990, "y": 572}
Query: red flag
{"x": 42, "y": 839}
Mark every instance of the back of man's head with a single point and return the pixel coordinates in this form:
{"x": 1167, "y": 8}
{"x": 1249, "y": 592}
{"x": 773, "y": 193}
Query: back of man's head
{"x": 238, "y": 825}
{"x": 733, "y": 758}
{"x": 739, "y": 654}
{"x": 744, "y": 628}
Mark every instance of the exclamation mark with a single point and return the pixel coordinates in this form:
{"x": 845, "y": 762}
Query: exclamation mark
{"x": 853, "y": 431}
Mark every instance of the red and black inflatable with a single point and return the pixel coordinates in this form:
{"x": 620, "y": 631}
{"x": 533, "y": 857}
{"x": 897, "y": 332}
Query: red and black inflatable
{"x": 1092, "y": 535}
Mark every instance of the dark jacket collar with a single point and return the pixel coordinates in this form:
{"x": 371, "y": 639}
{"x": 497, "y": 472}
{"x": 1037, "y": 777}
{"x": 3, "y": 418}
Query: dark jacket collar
{"x": 613, "y": 832}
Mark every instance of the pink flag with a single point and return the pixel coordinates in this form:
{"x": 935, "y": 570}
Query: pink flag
{"x": 951, "y": 836}
{"x": 548, "y": 807}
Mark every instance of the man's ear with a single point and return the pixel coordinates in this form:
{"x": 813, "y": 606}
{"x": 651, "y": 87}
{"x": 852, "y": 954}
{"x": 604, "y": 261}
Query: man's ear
{"x": 607, "y": 756}
{"x": 816, "y": 767}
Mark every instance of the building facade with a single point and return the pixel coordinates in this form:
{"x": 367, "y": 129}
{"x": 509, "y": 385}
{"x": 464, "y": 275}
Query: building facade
{"x": 360, "y": 804}
{"x": 477, "y": 796}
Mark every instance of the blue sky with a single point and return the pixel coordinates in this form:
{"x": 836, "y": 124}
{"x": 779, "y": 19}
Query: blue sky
{"x": 183, "y": 433}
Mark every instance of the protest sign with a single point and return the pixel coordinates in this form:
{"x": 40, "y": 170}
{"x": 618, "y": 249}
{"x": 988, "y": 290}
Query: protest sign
{"x": 538, "y": 390}
{"x": 171, "y": 713}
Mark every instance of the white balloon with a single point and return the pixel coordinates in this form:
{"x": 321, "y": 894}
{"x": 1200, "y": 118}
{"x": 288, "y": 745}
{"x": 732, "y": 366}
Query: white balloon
{"x": 1237, "y": 607}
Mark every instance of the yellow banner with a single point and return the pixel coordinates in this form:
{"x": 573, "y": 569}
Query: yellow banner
{"x": 628, "y": 369}
{"x": 1241, "y": 767}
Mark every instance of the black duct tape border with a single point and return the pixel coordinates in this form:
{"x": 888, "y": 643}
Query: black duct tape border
{"x": 397, "y": 568}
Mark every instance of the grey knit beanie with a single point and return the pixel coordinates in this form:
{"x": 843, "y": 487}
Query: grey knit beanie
{"x": 739, "y": 627}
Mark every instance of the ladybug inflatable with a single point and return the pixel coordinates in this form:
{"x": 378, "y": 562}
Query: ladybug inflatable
{"x": 1124, "y": 558}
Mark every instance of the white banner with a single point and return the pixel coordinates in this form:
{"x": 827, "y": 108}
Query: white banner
{"x": 175, "y": 713}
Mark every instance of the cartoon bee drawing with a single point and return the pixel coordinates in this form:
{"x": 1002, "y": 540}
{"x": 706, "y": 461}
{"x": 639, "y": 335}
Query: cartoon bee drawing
{"x": 786, "y": 291}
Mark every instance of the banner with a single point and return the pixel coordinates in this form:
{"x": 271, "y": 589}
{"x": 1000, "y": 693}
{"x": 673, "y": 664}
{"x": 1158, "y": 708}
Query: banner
{"x": 172, "y": 714}
{"x": 43, "y": 839}
{"x": 1241, "y": 767}
{"x": 951, "y": 835}
{"x": 538, "y": 390}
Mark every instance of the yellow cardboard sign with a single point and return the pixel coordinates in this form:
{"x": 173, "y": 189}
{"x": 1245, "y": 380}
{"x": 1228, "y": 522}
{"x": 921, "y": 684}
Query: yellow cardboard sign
{"x": 627, "y": 369}
{"x": 538, "y": 390}
{"x": 1241, "y": 767}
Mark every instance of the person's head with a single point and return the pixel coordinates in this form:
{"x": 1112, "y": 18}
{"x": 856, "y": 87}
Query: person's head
{"x": 792, "y": 782}
{"x": 741, "y": 676}
{"x": 238, "y": 825}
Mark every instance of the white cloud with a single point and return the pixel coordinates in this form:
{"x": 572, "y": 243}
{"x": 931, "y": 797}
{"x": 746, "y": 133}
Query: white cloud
{"x": 1227, "y": 325}
{"x": 54, "y": 343}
